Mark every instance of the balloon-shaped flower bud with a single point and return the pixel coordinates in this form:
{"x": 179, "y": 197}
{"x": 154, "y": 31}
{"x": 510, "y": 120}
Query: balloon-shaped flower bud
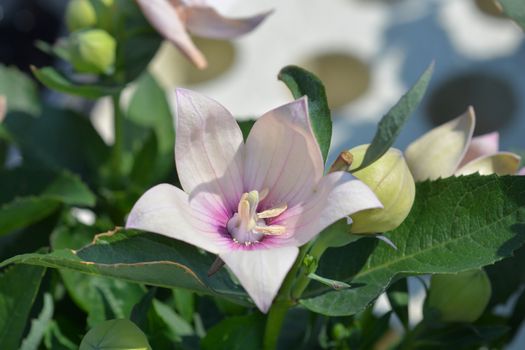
{"x": 390, "y": 179}
{"x": 459, "y": 297}
{"x": 115, "y": 334}
{"x": 92, "y": 51}
{"x": 80, "y": 14}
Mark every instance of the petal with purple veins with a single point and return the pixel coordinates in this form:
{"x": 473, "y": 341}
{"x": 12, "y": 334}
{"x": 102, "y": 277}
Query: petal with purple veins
{"x": 165, "y": 209}
{"x": 209, "y": 151}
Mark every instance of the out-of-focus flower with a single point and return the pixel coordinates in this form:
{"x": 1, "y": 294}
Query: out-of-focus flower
{"x": 92, "y": 51}
{"x": 175, "y": 19}
{"x": 3, "y": 107}
{"x": 450, "y": 149}
{"x": 460, "y": 297}
{"x": 251, "y": 203}
{"x": 391, "y": 181}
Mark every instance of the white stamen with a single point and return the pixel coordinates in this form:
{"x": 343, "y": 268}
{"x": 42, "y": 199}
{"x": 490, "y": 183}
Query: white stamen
{"x": 272, "y": 213}
{"x": 272, "y": 230}
{"x": 248, "y": 227}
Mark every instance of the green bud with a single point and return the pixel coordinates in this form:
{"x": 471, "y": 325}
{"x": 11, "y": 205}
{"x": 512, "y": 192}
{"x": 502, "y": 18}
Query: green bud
{"x": 339, "y": 332}
{"x": 83, "y": 14}
{"x": 80, "y": 14}
{"x": 390, "y": 179}
{"x": 115, "y": 334}
{"x": 92, "y": 51}
{"x": 459, "y": 297}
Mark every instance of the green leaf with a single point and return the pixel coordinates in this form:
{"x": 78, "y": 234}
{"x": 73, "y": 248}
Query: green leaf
{"x": 20, "y": 91}
{"x": 18, "y": 288}
{"x": 246, "y": 126}
{"x": 506, "y": 276}
{"x": 184, "y": 303}
{"x": 56, "y": 81}
{"x": 139, "y": 313}
{"x": 301, "y": 83}
{"x": 40, "y": 325}
{"x": 236, "y": 333}
{"x": 25, "y": 211}
{"x": 115, "y": 334}
{"x": 142, "y": 258}
{"x": 175, "y": 323}
{"x": 456, "y": 224}
{"x": 515, "y": 9}
{"x": 137, "y": 41}
{"x": 98, "y": 296}
{"x": 59, "y": 139}
{"x": 149, "y": 108}
{"x": 391, "y": 124}
{"x": 398, "y": 297}
{"x": 69, "y": 189}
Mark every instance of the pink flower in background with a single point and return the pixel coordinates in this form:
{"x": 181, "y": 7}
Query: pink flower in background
{"x": 175, "y": 19}
{"x": 3, "y": 107}
{"x": 450, "y": 149}
{"x": 251, "y": 203}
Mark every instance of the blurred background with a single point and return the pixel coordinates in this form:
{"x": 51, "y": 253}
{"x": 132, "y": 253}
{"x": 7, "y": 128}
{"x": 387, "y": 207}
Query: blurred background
{"x": 367, "y": 52}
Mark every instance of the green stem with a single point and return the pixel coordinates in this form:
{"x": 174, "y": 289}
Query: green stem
{"x": 316, "y": 251}
{"x": 282, "y": 303}
{"x": 274, "y": 324}
{"x": 119, "y": 137}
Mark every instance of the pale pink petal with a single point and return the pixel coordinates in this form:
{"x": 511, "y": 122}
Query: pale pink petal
{"x": 165, "y": 209}
{"x": 338, "y": 195}
{"x": 480, "y": 146}
{"x": 282, "y": 155}
{"x": 205, "y": 21}
{"x": 502, "y": 163}
{"x": 208, "y": 152}
{"x": 164, "y": 17}
{"x": 522, "y": 171}
{"x": 261, "y": 272}
{"x": 438, "y": 152}
{"x": 3, "y": 108}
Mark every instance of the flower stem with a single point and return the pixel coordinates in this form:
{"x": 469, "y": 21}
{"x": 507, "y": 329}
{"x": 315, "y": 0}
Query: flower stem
{"x": 274, "y": 324}
{"x": 119, "y": 137}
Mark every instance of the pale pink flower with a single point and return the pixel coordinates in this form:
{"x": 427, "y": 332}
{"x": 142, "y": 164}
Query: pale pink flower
{"x": 175, "y": 19}
{"x": 251, "y": 203}
{"x": 3, "y": 108}
{"x": 450, "y": 149}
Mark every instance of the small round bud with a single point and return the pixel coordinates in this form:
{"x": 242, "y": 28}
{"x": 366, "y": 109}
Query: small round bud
{"x": 459, "y": 297}
{"x": 115, "y": 334}
{"x": 92, "y": 51}
{"x": 80, "y": 14}
{"x": 390, "y": 179}
{"x": 340, "y": 332}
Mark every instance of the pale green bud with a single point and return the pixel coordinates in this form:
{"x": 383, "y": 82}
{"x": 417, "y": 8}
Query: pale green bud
{"x": 115, "y": 334}
{"x": 80, "y": 14}
{"x": 83, "y": 14}
{"x": 390, "y": 179}
{"x": 459, "y": 297}
{"x": 92, "y": 51}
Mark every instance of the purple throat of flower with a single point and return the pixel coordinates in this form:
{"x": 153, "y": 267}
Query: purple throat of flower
{"x": 248, "y": 226}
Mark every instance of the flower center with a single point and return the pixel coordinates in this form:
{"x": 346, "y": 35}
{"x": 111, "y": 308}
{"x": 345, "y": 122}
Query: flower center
{"x": 247, "y": 226}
